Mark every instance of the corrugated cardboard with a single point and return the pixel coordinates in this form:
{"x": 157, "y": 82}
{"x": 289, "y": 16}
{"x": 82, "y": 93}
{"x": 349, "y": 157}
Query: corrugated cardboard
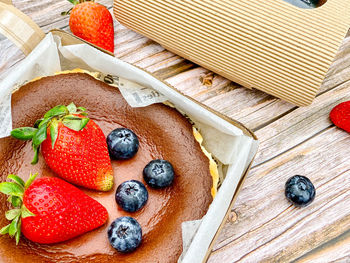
{"x": 269, "y": 45}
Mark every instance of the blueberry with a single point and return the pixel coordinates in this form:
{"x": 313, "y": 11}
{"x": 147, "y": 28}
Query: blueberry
{"x": 122, "y": 144}
{"x": 125, "y": 234}
{"x": 131, "y": 195}
{"x": 158, "y": 173}
{"x": 300, "y": 190}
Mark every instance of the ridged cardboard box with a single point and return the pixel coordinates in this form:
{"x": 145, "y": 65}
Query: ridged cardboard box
{"x": 269, "y": 45}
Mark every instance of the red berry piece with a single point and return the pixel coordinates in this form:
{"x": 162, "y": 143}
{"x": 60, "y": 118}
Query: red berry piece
{"x": 49, "y": 210}
{"x": 73, "y": 146}
{"x": 93, "y": 23}
{"x": 340, "y": 116}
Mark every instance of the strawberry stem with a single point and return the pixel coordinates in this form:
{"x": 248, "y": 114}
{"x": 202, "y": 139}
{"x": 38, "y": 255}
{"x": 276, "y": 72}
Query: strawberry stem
{"x": 74, "y": 2}
{"x": 15, "y": 190}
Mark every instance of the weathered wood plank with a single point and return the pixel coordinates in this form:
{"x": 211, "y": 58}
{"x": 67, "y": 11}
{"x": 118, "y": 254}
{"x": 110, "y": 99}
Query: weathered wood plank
{"x": 157, "y": 62}
{"x": 255, "y": 109}
{"x": 193, "y": 86}
{"x": 335, "y": 250}
{"x": 245, "y": 105}
{"x": 268, "y": 227}
{"x": 299, "y": 125}
{"x": 302, "y": 124}
{"x": 47, "y": 14}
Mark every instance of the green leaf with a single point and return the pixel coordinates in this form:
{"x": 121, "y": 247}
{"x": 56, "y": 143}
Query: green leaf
{"x": 44, "y": 122}
{"x": 81, "y": 108}
{"x": 74, "y": 2}
{"x": 18, "y": 233}
{"x": 72, "y": 108}
{"x": 26, "y": 212}
{"x": 15, "y": 201}
{"x": 11, "y": 189}
{"x": 16, "y": 179}
{"x": 71, "y": 117}
{"x": 56, "y": 111}
{"x": 53, "y": 132}
{"x": 40, "y": 135}
{"x": 5, "y": 230}
{"x": 16, "y": 215}
{"x": 36, "y": 154}
{"x": 30, "y": 180}
{"x": 23, "y": 133}
{"x": 13, "y": 226}
{"x": 11, "y": 214}
{"x": 72, "y": 124}
{"x": 83, "y": 113}
{"x": 37, "y": 122}
{"x": 75, "y": 124}
{"x": 84, "y": 122}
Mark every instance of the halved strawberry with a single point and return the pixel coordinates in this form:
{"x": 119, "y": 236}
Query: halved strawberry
{"x": 73, "y": 146}
{"x": 49, "y": 210}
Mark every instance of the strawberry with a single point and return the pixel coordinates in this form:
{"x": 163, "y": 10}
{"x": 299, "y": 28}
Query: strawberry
{"x": 93, "y": 23}
{"x": 73, "y": 146}
{"x": 49, "y": 210}
{"x": 340, "y": 115}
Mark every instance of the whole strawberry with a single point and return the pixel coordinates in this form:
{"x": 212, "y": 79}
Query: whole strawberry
{"x": 93, "y": 23}
{"x": 49, "y": 210}
{"x": 340, "y": 116}
{"x": 73, "y": 146}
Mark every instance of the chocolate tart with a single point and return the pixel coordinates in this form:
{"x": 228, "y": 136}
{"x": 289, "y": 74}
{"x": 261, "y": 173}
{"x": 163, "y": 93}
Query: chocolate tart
{"x": 163, "y": 133}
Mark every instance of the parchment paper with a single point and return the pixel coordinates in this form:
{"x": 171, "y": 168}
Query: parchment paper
{"x": 228, "y": 144}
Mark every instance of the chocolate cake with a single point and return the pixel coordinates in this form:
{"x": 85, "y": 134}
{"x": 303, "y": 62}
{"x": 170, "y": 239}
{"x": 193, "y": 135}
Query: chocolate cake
{"x": 163, "y": 134}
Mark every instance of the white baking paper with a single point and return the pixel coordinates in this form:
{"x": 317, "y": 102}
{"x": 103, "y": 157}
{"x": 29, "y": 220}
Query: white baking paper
{"x": 227, "y": 143}
{"x": 44, "y": 60}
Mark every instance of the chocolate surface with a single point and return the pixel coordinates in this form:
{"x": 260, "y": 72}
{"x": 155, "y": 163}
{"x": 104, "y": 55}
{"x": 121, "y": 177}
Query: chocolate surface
{"x": 163, "y": 134}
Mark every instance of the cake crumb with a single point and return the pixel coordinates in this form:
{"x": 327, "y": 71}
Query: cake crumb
{"x": 207, "y": 80}
{"x": 232, "y": 217}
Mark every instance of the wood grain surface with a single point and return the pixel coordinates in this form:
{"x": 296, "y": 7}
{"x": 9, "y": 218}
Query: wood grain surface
{"x": 263, "y": 226}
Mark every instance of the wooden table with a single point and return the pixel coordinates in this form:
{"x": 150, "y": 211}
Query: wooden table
{"x": 263, "y": 226}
